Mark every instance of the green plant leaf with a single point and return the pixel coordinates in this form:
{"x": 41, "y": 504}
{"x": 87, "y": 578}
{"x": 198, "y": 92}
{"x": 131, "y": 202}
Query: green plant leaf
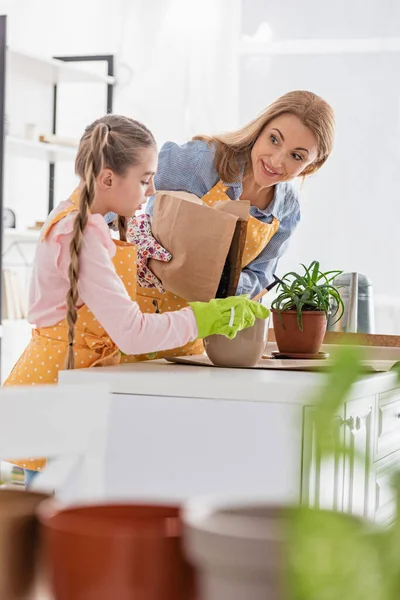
{"x": 299, "y": 315}
{"x": 329, "y": 275}
{"x": 315, "y": 272}
{"x": 306, "y": 295}
{"x": 333, "y": 557}
{"x": 346, "y": 369}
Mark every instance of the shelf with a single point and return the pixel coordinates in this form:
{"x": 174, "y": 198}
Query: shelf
{"x": 21, "y": 235}
{"x": 39, "y": 150}
{"x": 309, "y": 46}
{"x": 8, "y": 323}
{"x": 51, "y": 70}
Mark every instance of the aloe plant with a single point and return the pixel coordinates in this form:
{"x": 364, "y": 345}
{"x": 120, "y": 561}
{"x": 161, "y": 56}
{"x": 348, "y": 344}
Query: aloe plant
{"x": 312, "y": 290}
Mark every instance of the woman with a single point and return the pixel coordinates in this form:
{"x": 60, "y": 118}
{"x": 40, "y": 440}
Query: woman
{"x": 292, "y": 138}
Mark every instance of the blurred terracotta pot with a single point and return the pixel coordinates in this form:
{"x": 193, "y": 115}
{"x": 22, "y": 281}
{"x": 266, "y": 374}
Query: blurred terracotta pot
{"x": 122, "y": 552}
{"x": 19, "y": 543}
{"x": 245, "y": 350}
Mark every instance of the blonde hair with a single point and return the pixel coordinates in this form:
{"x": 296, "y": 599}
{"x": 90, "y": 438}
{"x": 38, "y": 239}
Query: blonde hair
{"x": 233, "y": 149}
{"x": 112, "y": 142}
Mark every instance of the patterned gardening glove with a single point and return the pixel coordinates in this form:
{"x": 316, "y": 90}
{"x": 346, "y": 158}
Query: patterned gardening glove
{"x": 139, "y": 233}
{"x": 227, "y": 316}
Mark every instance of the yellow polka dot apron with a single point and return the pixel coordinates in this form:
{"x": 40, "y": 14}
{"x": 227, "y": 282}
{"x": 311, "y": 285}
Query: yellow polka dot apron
{"x": 258, "y": 236}
{"x": 45, "y": 354}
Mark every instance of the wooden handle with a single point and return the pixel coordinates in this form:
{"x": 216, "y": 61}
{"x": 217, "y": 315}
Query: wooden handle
{"x": 267, "y": 289}
{"x": 260, "y": 295}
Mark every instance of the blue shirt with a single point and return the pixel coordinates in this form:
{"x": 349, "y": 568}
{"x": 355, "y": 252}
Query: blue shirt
{"x": 190, "y": 168}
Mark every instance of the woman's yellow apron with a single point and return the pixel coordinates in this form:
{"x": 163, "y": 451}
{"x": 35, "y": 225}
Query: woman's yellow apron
{"x": 45, "y": 354}
{"x": 258, "y": 236}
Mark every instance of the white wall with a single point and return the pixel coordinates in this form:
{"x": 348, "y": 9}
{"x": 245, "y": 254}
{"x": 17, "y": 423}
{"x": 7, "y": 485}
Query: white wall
{"x": 177, "y": 66}
{"x": 351, "y": 212}
{"x": 51, "y": 27}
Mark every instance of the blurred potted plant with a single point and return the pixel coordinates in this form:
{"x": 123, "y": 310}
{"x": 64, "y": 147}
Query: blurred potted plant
{"x": 330, "y": 554}
{"x": 300, "y": 310}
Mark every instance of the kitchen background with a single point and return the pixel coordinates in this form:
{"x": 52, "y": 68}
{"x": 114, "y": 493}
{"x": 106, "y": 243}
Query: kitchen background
{"x": 185, "y": 67}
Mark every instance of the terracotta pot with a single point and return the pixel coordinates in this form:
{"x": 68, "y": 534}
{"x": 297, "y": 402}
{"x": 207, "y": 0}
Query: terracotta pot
{"x": 291, "y": 339}
{"x": 116, "y": 551}
{"x": 245, "y": 350}
{"x": 237, "y": 549}
{"x": 19, "y": 547}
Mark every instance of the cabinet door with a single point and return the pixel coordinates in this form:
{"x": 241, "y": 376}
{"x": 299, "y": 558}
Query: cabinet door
{"x": 358, "y": 492}
{"x": 388, "y": 424}
{"x": 176, "y": 448}
{"x": 322, "y": 478}
{"x": 385, "y": 496}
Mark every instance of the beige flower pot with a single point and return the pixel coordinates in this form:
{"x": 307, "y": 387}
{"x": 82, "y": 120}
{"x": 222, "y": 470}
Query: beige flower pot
{"x": 236, "y": 547}
{"x": 245, "y": 350}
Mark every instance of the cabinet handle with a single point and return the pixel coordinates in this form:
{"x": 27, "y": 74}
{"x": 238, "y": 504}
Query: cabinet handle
{"x": 355, "y": 424}
{"x": 347, "y": 422}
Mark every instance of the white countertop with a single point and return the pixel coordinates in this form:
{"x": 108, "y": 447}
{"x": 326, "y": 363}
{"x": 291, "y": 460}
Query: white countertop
{"x": 160, "y": 378}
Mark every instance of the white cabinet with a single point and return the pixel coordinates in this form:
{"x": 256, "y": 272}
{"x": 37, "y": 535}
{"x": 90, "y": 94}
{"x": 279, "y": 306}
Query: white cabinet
{"x": 356, "y": 483}
{"x": 177, "y": 431}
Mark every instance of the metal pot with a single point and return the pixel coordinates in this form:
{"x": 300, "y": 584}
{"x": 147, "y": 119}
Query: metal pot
{"x": 357, "y": 294}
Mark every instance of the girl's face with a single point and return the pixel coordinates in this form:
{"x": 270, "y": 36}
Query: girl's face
{"x": 284, "y": 148}
{"x": 126, "y": 194}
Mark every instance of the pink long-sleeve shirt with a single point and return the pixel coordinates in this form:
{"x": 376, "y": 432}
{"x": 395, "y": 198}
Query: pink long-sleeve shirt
{"x": 101, "y": 289}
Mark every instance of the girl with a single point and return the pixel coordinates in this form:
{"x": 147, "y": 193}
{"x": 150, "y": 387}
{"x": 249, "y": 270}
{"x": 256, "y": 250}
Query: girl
{"x": 292, "y": 138}
{"x": 83, "y": 289}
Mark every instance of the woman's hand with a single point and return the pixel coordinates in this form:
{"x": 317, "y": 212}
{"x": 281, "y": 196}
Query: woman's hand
{"x": 139, "y": 233}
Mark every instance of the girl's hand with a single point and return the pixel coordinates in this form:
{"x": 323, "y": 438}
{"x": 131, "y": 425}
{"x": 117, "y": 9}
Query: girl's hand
{"x": 139, "y": 233}
{"x": 226, "y": 316}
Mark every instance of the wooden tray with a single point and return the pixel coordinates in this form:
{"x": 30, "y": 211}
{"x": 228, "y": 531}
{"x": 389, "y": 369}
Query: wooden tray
{"x": 273, "y": 364}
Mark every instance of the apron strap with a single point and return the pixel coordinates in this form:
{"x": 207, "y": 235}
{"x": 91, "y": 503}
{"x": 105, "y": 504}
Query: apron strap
{"x": 259, "y": 234}
{"x": 74, "y": 198}
{"x": 216, "y": 194}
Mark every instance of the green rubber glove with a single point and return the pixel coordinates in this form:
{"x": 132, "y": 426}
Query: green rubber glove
{"x": 226, "y": 316}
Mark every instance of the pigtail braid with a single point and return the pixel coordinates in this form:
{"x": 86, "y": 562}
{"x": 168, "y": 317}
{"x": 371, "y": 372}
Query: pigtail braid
{"x": 93, "y": 166}
{"x": 122, "y": 225}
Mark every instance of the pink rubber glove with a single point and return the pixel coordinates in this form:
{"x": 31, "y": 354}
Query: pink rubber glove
{"x": 139, "y": 233}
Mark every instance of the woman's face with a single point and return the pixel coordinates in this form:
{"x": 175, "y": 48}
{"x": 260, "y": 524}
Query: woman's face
{"x": 284, "y": 148}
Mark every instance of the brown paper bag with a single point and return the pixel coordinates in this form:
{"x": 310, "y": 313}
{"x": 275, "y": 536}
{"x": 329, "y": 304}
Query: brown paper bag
{"x": 206, "y": 245}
